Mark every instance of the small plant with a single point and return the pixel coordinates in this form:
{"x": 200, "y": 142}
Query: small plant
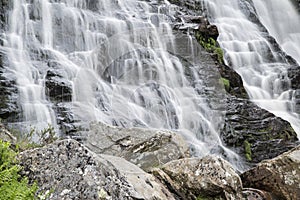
{"x": 211, "y": 46}
{"x": 226, "y": 83}
{"x": 12, "y": 185}
{"x": 248, "y": 152}
{"x": 34, "y": 138}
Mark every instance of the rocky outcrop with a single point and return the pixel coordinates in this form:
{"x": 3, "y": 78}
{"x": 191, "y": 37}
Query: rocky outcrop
{"x": 248, "y": 128}
{"x": 279, "y": 176}
{"x": 255, "y": 132}
{"x": 68, "y": 170}
{"x": 143, "y": 147}
{"x": 194, "y": 178}
{"x": 58, "y": 88}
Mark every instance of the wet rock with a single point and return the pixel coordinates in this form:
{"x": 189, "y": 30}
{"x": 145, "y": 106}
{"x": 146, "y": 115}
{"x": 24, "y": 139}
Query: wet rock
{"x": 59, "y": 89}
{"x": 69, "y": 124}
{"x": 9, "y": 107}
{"x": 71, "y": 171}
{"x": 255, "y": 132}
{"x": 143, "y": 147}
{"x": 236, "y": 87}
{"x": 294, "y": 75}
{"x": 297, "y": 4}
{"x": 4, "y": 5}
{"x": 193, "y": 178}
{"x": 279, "y": 176}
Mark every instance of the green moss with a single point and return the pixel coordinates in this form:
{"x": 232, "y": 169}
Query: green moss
{"x": 12, "y": 185}
{"x": 226, "y": 83}
{"x": 248, "y": 152}
{"x": 210, "y": 45}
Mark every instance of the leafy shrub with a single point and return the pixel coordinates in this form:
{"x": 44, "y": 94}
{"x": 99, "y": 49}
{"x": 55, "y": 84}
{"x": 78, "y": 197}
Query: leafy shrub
{"x": 12, "y": 185}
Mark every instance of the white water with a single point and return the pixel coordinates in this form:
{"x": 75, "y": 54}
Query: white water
{"x": 283, "y": 22}
{"x": 115, "y": 56}
{"x": 37, "y": 111}
{"x": 246, "y": 49}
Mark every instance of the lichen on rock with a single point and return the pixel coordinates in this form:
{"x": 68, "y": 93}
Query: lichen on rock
{"x": 280, "y": 176}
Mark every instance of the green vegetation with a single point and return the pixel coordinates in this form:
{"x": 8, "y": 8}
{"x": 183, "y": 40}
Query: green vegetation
{"x": 248, "y": 152}
{"x": 12, "y": 185}
{"x": 226, "y": 83}
{"x": 211, "y": 46}
{"x": 34, "y": 138}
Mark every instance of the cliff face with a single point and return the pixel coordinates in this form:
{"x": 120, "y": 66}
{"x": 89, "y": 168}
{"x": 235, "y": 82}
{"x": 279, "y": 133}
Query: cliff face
{"x": 227, "y": 121}
{"x": 246, "y": 128}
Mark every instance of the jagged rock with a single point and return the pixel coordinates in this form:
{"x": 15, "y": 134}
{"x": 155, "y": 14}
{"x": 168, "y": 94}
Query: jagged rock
{"x": 143, "y": 147}
{"x": 265, "y": 134}
{"x": 58, "y": 88}
{"x": 236, "y": 87}
{"x": 9, "y": 107}
{"x": 209, "y": 177}
{"x": 71, "y": 171}
{"x": 279, "y": 176}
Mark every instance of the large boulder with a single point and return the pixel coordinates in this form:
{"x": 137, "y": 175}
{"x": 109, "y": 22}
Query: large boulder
{"x": 68, "y": 170}
{"x": 279, "y": 176}
{"x": 143, "y": 147}
{"x": 194, "y": 178}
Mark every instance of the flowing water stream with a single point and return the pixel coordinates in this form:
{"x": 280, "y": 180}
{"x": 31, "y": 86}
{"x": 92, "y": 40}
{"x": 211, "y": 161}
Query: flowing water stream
{"x": 249, "y": 51}
{"x": 120, "y": 62}
{"x": 282, "y": 20}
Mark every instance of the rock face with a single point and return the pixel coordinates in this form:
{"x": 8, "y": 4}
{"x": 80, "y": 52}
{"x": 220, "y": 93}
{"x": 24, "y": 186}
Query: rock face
{"x": 193, "y": 178}
{"x": 71, "y": 171}
{"x": 255, "y": 132}
{"x": 279, "y": 176}
{"x": 248, "y": 128}
{"x": 145, "y": 148}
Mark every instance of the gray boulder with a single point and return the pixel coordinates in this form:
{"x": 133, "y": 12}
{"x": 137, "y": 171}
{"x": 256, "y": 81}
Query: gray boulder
{"x": 193, "y": 178}
{"x": 280, "y": 176}
{"x": 143, "y": 147}
{"x": 71, "y": 171}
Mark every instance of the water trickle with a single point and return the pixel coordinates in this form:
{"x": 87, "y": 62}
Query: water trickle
{"x": 248, "y": 50}
{"x": 118, "y": 62}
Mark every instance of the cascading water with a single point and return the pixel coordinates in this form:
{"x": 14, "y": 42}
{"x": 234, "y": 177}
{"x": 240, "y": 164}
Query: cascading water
{"x": 37, "y": 111}
{"x": 247, "y": 49}
{"x": 282, "y": 20}
{"x": 109, "y": 61}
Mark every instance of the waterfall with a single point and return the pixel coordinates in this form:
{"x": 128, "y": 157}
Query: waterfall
{"x": 282, "y": 20}
{"x": 249, "y": 51}
{"x": 115, "y": 61}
